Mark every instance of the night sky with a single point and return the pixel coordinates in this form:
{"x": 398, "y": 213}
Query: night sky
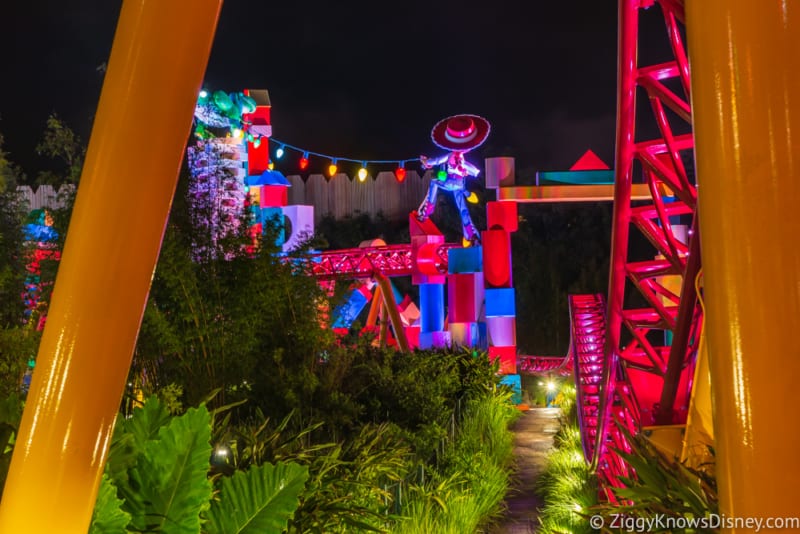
{"x": 365, "y": 81}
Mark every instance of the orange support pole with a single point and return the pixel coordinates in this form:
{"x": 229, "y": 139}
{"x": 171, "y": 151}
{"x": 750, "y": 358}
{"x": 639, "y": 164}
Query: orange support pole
{"x": 745, "y": 62}
{"x": 157, "y": 63}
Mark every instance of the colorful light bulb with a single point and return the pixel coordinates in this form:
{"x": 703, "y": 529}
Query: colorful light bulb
{"x": 362, "y": 172}
{"x": 332, "y": 168}
{"x": 441, "y": 175}
{"x": 304, "y": 161}
{"x": 279, "y": 153}
{"x": 400, "y": 173}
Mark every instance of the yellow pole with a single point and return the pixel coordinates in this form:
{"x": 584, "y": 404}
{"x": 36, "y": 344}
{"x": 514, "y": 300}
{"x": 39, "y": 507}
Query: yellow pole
{"x": 745, "y": 62}
{"x": 157, "y": 64}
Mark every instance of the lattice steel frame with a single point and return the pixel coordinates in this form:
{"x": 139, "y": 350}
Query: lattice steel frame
{"x": 645, "y": 378}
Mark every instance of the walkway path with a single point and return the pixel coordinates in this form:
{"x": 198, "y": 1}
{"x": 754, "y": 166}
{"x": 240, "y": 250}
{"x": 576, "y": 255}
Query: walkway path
{"x": 533, "y": 438}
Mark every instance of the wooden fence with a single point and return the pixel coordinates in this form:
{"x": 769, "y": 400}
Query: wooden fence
{"x": 339, "y": 197}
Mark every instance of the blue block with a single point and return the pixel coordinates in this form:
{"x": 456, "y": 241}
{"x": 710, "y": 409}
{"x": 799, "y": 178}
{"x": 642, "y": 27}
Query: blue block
{"x": 344, "y": 315}
{"x": 431, "y": 307}
{"x": 465, "y": 260}
{"x": 434, "y": 340}
{"x": 500, "y": 302}
{"x": 274, "y": 215}
{"x": 515, "y": 383}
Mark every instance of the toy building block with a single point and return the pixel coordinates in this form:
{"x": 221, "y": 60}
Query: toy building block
{"x": 508, "y": 359}
{"x": 464, "y": 297}
{"x": 499, "y": 172}
{"x": 431, "y": 306}
{"x": 502, "y": 331}
{"x": 465, "y": 260}
{"x": 424, "y": 258}
{"x": 464, "y": 334}
{"x": 497, "y": 258}
{"x": 500, "y": 302}
{"x": 301, "y": 221}
{"x": 429, "y": 340}
{"x": 502, "y": 216}
{"x": 515, "y": 383}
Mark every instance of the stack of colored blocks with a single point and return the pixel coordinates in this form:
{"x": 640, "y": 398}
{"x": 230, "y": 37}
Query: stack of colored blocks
{"x": 425, "y": 242}
{"x": 465, "y": 297}
{"x": 499, "y": 293}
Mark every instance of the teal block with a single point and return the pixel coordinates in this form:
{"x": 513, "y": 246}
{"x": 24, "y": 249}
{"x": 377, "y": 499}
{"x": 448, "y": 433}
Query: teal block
{"x": 500, "y": 302}
{"x": 515, "y": 383}
{"x": 465, "y": 260}
{"x": 274, "y": 215}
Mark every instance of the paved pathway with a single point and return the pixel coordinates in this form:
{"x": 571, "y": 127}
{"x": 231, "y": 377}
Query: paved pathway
{"x": 533, "y": 438}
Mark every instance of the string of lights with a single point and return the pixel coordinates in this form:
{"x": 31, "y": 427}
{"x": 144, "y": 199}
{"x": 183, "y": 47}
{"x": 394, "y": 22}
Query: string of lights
{"x": 399, "y": 171}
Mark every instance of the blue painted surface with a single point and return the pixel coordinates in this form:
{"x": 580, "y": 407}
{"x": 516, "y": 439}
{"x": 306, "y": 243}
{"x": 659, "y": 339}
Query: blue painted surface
{"x": 500, "y": 302}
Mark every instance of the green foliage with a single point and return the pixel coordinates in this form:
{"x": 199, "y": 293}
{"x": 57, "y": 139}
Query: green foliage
{"x": 246, "y": 325}
{"x": 260, "y": 501}
{"x": 60, "y": 143}
{"x": 108, "y": 516}
{"x": 170, "y": 476}
{"x": 10, "y": 415}
{"x": 12, "y": 257}
{"x": 467, "y": 489}
{"x": 661, "y": 486}
{"x": 568, "y": 488}
{"x": 157, "y": 477}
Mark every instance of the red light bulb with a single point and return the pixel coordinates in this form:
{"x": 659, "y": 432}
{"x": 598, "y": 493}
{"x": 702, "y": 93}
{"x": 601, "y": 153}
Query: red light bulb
{"x": 400, "y": 174}
{"x": 303, "y": 163}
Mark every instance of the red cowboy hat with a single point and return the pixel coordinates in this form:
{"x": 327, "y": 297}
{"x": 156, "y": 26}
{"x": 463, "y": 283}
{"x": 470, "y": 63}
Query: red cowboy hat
{"x": 460, "y": 132}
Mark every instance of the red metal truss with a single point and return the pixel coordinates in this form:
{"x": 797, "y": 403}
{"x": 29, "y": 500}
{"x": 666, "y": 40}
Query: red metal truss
{"x": 389, "y": 260}
{"x": 544, "y": 365}
{"x": 653, "y": 316}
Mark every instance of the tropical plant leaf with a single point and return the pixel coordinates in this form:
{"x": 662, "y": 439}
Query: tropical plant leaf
{"x": 108, "y": 516}
{"x": 147, "y": 420}
{"x": 171, "y": 475}
{"x": 258, "y": 501}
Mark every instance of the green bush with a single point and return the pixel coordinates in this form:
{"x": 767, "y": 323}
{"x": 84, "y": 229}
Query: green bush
{"x": 157, "y": 480}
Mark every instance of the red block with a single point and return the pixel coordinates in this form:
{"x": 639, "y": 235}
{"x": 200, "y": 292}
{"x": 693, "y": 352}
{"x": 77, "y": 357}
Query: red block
{"x": 412, "y": 336}
{"x": 464, "y": 297}
{"x": 497, "y": 258}
{"x": 502, "y": 215}
{"x": 508, "y": 359}
{"x": 257, "y": 158}
{"x": 274, "y": 196}
{"x": 424, "y": 258}
{"x": 418, "y": 228}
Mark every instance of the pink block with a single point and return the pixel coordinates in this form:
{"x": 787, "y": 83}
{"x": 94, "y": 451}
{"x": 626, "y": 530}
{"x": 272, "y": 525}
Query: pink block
{"x": 502, "y": 331}
{"x": 464, "y": 297}
{"x": 508, "y": 359}
{"x": 274, "y": 196}
{"x": 502, "y": 215}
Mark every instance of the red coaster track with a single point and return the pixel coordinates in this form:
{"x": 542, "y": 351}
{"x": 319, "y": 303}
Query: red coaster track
{"x": 650, "y": 332}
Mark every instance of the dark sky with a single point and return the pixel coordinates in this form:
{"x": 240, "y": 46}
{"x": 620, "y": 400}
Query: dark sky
{"x": 362, "y": 80}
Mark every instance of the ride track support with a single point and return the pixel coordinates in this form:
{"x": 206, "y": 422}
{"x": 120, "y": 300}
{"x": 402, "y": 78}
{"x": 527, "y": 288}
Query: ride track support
{"x": 156, "y": 68}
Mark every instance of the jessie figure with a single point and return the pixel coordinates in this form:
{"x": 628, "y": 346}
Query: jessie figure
{"x": 458, "y": 134}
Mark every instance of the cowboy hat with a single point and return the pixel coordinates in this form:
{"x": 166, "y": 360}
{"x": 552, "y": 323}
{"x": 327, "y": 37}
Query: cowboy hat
{"x": 460, "y": 132}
